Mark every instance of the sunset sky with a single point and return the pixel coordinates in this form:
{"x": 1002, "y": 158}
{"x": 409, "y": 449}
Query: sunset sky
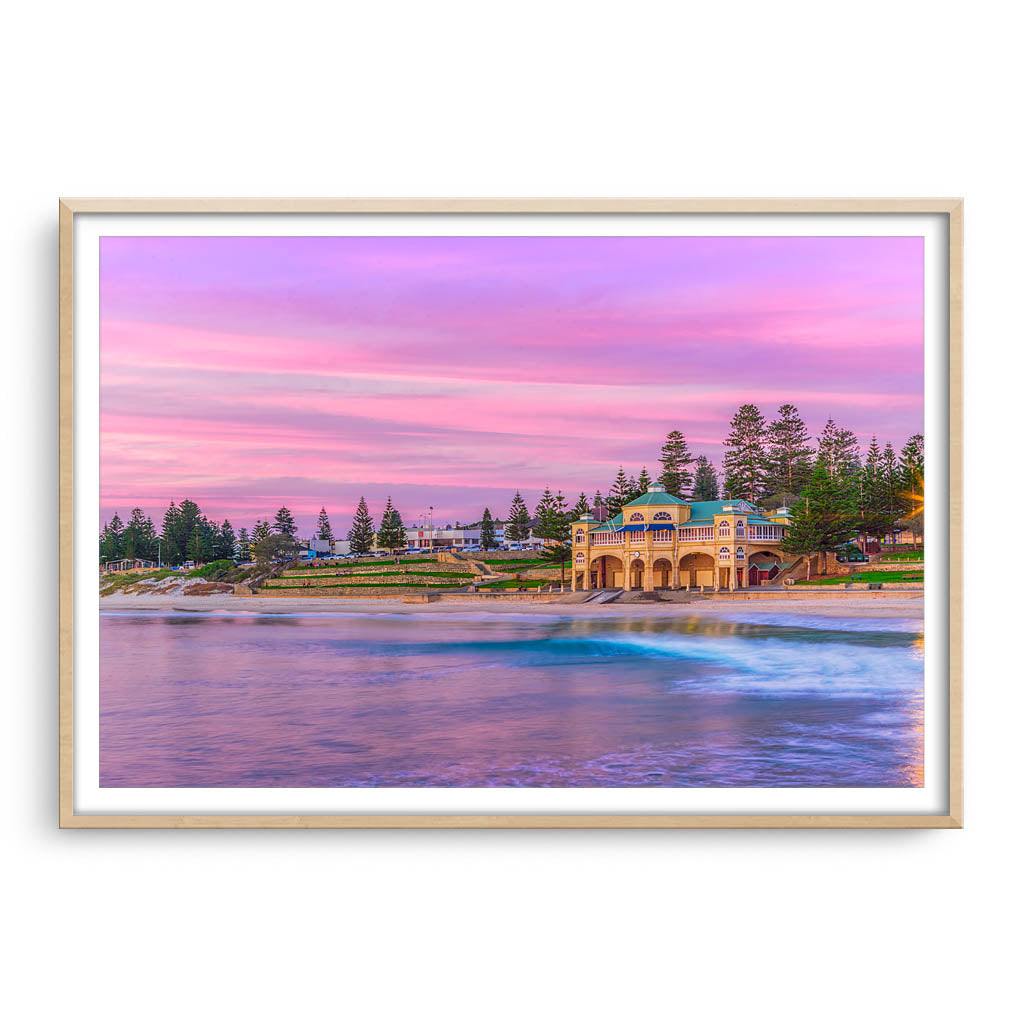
{"x": 247, "y": 373}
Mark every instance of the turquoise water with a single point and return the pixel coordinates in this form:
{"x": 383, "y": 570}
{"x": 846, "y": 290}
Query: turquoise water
{"x": 490, "y": 699}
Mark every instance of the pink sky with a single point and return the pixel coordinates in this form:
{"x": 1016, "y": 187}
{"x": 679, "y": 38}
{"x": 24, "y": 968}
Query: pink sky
{"x": 247, "y": 373}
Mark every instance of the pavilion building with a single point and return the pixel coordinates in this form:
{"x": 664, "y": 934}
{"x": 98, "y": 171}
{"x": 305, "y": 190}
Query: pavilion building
{"x": 661, "y": 541}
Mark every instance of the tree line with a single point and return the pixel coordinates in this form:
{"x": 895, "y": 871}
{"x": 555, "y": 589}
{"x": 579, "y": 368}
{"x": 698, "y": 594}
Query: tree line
{"x": 832, "y": 491}
{"x": 187, "y": 534}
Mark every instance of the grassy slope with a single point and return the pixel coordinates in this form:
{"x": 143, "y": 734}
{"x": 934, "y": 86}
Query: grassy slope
{"x": 866, "y": 577}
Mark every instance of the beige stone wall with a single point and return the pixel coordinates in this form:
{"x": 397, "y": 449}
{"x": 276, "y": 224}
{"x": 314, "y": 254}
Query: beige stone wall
{"x": 892, "y": 566}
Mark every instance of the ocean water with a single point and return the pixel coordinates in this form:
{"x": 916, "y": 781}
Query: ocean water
{"x": 481, "y": 698}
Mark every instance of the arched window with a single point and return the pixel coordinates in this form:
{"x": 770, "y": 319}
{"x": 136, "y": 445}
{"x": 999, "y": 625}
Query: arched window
{"x": 579, "y": 556}
{"x": 660, "y": 517}
{"x": 636, "y": 517}
{"x": 723, "y": 528}
{"x": 579, "y": 536}
{"x": 739, "y": 553}
{"x": 739, "y": 527}
{"x": 723, "y": 554}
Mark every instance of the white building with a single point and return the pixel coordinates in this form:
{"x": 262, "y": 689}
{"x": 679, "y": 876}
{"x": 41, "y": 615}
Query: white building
{"x": 427, "y": 538}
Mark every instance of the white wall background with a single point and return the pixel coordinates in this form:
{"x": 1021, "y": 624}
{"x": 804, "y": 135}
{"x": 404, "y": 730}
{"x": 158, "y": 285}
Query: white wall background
{"x": 512, "y": 99}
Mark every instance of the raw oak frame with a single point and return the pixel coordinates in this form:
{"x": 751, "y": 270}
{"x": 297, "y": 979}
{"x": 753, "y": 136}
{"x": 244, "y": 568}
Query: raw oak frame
{"x": 950, "y": 207}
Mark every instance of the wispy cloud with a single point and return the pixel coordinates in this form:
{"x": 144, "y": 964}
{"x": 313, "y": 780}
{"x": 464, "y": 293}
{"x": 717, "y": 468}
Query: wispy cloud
{"x": 450, "y": 371}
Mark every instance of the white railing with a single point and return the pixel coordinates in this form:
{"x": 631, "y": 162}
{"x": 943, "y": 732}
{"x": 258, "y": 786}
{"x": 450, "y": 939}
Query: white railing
{"x": 691, "y": 534}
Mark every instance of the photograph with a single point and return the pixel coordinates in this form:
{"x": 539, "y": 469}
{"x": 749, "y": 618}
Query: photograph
{"x": 511, "y": 511}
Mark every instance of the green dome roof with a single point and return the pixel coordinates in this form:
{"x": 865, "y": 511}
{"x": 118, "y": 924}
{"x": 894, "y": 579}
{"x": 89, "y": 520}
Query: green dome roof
{"x": 656, "y": 495}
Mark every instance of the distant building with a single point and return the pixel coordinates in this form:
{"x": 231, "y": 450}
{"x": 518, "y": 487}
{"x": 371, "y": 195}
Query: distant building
{"x": 426, "y": 538}
{"x": 314, "y": 548}
{"x": 128, "y": 565}
{"x": 341, "y": 547}
{"x": 659, "y": 540}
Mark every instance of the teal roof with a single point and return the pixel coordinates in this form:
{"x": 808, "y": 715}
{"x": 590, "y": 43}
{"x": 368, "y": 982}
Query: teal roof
{"x": 702, "y": 513}
{"x": 655, "y": 498}
{"x": 704, "y": 509}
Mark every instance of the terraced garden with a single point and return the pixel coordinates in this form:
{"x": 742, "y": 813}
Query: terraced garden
{"x": 913, "y": 576}
{"x": 375, "y": 575}
{"x": 514, "y": 584}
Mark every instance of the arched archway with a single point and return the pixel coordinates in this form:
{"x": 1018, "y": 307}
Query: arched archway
{"x": 662, "y": 572}
{"x": 606, "y": 571}
{"x": 697, "y": 570}
{"x": 636, "y": 574}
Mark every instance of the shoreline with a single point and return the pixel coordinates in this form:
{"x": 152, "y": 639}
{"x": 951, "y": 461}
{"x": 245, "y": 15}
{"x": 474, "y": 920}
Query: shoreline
{"x": 851, "y": 608}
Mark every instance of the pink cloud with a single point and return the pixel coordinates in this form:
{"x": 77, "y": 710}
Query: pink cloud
{"x": 250, "y": 372}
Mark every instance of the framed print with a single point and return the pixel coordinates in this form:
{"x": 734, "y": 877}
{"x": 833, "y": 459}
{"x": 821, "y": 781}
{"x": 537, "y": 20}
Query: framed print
{"x": 510, "y": 513}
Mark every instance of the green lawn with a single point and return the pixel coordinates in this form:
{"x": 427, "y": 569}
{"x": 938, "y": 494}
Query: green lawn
{"x": 526, "y": 563}
{"x": 902, "y": 556}
{"x": 353, "y": 586}
{"x": 355, "y": 575}
{"x": 514, "y": 584}
{"x": 390, "y": 561}
{"x": 870, "y": 576}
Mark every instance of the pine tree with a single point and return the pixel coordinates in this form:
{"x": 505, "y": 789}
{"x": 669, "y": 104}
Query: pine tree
{"x": 600, "y": 507}
{"x": 911, "y": 475}
{"x": 871, "y": 497}
{"x": 675, "y": 462}
{"x": 705, "y": 480}
{"x": 553, "y": 514}
{"x": 391, "y": 535}
{"x": 744, "y": 461}
{"x": 267, "y": 546}
{"x": 643, "y": 483}
{"x": 544, "y": 505}
{"x": 891, "y": 489}
{"x": 632, "y": 490}
{"x": 208, "y": 532}
{"x": 133, "y": 538}
{"x": 788, "y": 453}
{"x": 284, "y": 522}
{"x": 825, "y": 517}
{"x": 244, "y": 549}
{"x": 361, "y": 535}
{"x": 198, "y": 549}
{"x": 324, "y": 531}
{"x": 171, "y": 551}
{"x": 184, "y": 526}
{"x": 912, "y": 461}
{"x": 517, "y": 528}
{"x": 555, "y": 527}
{"x": 487, "y": 537}
{"x": 225, "y": 542}
{"x": 837, "y": 448}
{"x": 112, "y": 540}
{"x": 619, "y": 495}
{"x": 581, "y": 508}
{"x": 149, "y": 547}
{"x": 261, "y": 531}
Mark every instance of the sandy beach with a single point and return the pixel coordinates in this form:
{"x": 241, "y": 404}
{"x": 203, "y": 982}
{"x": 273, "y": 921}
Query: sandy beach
{"x": 850, "y": 608}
